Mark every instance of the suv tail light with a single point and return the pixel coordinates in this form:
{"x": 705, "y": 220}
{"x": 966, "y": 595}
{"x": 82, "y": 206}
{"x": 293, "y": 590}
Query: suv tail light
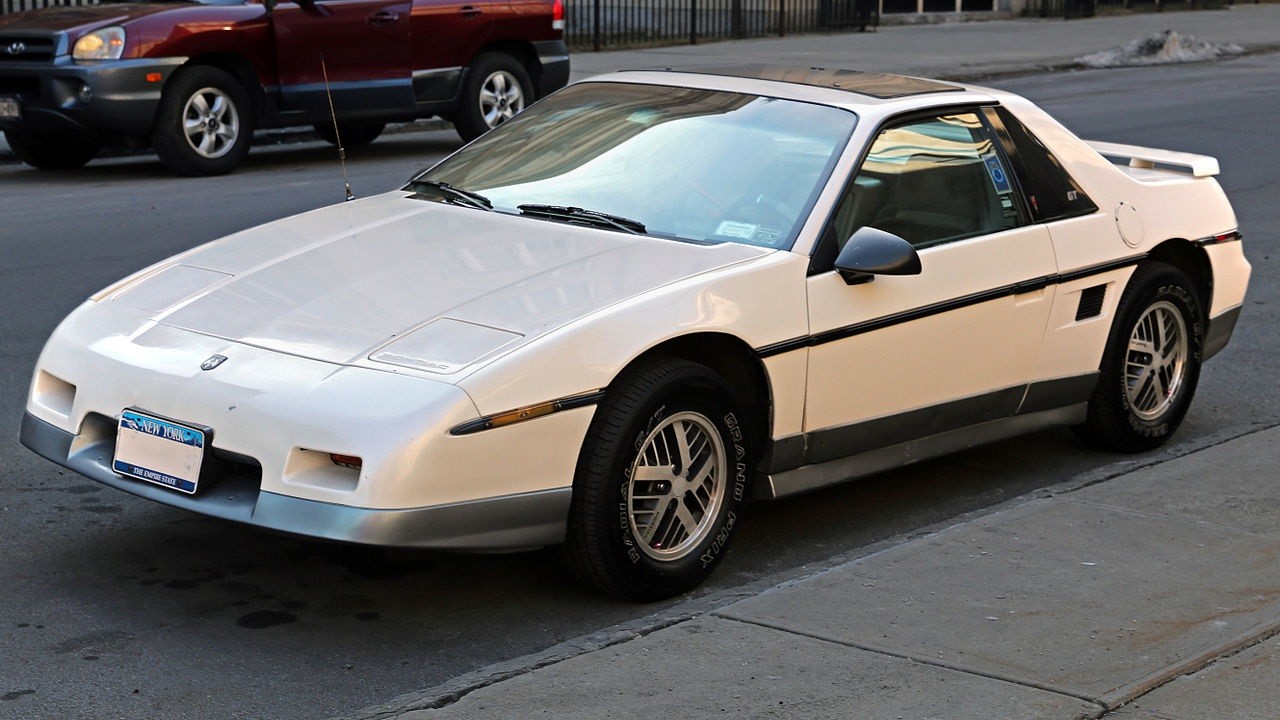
{"x": 557, "y": 15}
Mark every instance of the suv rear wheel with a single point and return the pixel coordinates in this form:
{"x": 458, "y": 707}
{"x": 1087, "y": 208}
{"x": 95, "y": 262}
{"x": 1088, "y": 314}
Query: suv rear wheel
{"x": 352, "y": 133}
{"x": 496, "y": 89}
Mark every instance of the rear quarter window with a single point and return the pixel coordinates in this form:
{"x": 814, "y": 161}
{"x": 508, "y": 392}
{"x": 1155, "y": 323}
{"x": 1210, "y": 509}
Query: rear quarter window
{"x": 1052, "y": 194}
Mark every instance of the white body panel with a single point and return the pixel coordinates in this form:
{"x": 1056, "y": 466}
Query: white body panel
{"x": 376, "y": 328}
{"x": 962, "y": 353}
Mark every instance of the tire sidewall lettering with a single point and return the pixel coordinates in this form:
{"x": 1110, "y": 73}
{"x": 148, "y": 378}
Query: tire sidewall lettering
{"x": 718, "y": 540}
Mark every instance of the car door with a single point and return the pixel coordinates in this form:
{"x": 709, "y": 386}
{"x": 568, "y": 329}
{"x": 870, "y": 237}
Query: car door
{"x": 906, "y": 357}
{"x": 447, "y": 34}
{"x": 365, "y": 48}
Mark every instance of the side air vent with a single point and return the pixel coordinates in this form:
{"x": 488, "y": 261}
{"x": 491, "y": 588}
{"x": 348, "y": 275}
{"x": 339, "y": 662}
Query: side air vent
{"x": 1091, "y": 302}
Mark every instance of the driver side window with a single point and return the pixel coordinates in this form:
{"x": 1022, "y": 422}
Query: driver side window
{"x": 930, "y": 181}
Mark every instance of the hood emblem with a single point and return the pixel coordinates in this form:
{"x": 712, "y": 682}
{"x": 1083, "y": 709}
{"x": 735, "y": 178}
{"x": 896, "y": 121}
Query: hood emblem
{"x": 213, "y": 362}
{"x": 16, "y": 48}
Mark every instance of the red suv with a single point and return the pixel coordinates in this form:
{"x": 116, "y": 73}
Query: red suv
{"x": 195, "y": 79}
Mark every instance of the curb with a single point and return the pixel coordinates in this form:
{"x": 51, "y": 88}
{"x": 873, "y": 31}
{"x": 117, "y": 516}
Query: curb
{"x": 454, "y": 689}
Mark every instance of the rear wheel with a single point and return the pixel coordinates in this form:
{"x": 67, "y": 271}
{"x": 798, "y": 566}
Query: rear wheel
{"x": 51, "y": 151}
{"x": 660, "y": 484}
{"x": 204, "y": 125}
{"x": 352, "y": 133}
{"x": 496, "y": 89}
{"x": 1152, "y": 362}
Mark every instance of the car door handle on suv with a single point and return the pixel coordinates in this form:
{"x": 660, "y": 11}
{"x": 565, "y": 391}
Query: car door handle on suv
{"x": 470, "y": 11}
{"x": 383, "y": 17}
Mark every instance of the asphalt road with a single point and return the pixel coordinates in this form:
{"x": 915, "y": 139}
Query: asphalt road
{"x": 115, "y": 607}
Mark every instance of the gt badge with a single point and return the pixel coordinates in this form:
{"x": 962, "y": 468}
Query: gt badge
{"x": 213, "y": 362}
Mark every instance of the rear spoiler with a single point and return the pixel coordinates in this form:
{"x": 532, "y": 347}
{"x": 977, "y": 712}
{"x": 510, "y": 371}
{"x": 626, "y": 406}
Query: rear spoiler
{"x": 1144, "y": 157}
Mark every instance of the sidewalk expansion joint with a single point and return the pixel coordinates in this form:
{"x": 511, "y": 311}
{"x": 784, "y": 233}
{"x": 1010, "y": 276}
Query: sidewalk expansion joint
{"x": 924, "y": 660}
{"x": 1126, "y": 694}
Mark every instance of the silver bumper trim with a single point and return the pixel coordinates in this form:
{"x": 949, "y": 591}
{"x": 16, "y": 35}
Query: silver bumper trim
{"x": 509, "y": 522}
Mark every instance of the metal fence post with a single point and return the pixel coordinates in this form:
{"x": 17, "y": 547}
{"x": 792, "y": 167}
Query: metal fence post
{"x": 595, "y": 26}
{"x": 693, "y": 22}
{"x": 782, "y": 18}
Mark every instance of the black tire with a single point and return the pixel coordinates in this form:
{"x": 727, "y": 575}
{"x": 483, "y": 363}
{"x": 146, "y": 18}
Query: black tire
{"x": 1142, "y": 396}
{"x": 497, "y": 87}
{"x": 353, "y": 133}
{"x": 221, "y": 105}
{"x": 53, "y": 151}
{"x": 610, "y": 515}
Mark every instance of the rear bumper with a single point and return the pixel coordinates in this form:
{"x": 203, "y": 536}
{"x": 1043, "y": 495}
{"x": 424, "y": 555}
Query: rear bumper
{"x": 553, "y": 55}
{"x": 515, "y": 521}
{"x": 120, "y": 100}
{"x": 1219, "y": 332}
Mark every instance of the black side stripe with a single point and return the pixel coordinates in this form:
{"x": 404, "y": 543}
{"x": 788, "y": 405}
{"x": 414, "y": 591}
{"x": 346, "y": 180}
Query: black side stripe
{"x": 938, "y": 308}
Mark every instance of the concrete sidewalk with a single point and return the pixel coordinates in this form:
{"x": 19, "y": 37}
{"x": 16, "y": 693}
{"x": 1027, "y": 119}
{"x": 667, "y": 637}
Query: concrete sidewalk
{"x": 1155, "y": 595}
{"x": 960, "y": 51}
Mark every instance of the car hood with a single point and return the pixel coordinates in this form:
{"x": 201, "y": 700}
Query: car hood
{"x": 394, "y": 277}
{"x": 82, "y": 19}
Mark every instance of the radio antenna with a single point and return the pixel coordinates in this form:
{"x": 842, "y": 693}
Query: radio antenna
{"x": 342, "y": 152}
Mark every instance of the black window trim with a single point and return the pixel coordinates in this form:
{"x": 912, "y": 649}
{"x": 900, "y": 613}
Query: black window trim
{"x": 823, "y": 256}
{"x": 991, "y": 117}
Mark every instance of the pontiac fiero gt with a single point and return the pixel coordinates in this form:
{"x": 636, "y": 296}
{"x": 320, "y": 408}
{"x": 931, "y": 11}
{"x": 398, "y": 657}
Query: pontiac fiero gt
{"x": 616, "y": 318}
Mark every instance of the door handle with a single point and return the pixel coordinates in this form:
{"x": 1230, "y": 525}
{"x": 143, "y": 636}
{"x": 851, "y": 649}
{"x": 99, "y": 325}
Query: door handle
{"x": 384, "y": 17}
{"x": 470, "y": 11}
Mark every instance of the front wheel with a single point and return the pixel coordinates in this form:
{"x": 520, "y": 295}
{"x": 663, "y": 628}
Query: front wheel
{"x": 661, "y": 482}
{"x": 496, "y": 89}
{"x": 1151, "y": 365}
{"x": 204, "y": 125}
{"x": 55, "y": 151}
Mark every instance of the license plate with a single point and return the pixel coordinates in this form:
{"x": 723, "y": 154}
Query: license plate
{"x": 159, "y": 451}
{"x": 9, "y": 109}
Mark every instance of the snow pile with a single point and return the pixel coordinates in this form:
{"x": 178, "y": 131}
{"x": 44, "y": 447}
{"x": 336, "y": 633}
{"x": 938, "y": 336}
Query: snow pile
{"x": 1159, "y": 48}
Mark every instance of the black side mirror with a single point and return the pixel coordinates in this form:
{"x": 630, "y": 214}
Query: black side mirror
{"x": 872, "y": 252}
{"x": 270, "y": 5}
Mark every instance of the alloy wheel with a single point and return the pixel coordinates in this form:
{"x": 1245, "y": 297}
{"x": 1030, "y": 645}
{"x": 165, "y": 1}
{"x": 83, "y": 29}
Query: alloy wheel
{"x": 677, "y": 485}
{"x": 1155, "y": 363}
{"x": 210, "y": 122}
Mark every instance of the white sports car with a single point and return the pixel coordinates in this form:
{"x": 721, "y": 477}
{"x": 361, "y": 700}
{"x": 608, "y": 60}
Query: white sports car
{"x": 613, "y": 320}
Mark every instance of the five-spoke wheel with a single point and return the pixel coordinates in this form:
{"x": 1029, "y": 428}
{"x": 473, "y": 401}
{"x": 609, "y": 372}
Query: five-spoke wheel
{"x": 677, "y": 485}
{"x": 1151, "y": 365}
{"x": 204, "y": 125}
{"x": 497, "y": 87}
{"x": 661, "y": 481}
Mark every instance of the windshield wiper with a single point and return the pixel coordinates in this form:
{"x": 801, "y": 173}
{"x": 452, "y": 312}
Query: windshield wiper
{"x": 585, "y": 217}
{"x": 449, "y": 193}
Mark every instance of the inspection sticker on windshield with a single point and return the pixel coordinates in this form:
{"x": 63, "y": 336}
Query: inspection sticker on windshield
{"x": 159, "y": 451}
{"x": 9, "y": 109}
{"x": 728, "y": 228}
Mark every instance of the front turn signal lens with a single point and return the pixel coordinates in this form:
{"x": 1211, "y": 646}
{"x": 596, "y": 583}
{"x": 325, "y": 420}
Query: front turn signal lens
{"x": 350, "y": 462}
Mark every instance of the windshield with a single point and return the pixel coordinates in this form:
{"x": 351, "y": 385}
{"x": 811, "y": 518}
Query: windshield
{"x": 697, "y": 165}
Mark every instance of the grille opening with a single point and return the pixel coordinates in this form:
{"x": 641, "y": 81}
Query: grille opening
{"x": 233, "y": 477}
{"x": 26, "y": 87}
{"x": 25, "y": 48}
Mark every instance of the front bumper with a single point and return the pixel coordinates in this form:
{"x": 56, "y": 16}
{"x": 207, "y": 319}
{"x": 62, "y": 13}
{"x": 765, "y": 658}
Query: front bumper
{"x": 516, "y": 521}
{"x": 121, "y": 100}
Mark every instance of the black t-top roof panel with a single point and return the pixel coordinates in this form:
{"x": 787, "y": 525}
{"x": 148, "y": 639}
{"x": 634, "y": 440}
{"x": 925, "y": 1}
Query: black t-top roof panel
{"x": 877, "y": 85}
